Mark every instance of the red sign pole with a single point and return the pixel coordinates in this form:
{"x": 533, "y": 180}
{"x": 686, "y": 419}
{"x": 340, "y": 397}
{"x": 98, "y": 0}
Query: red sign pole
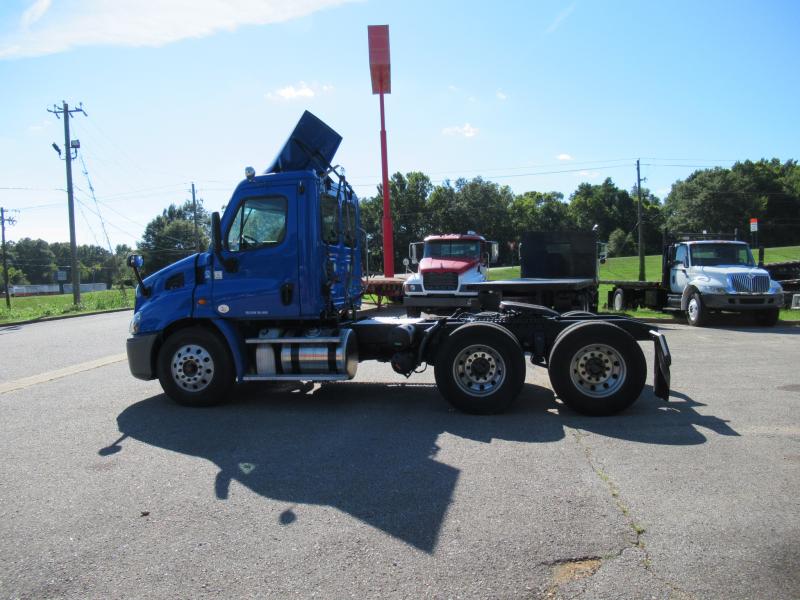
{"x": 388, "y": 228}
{"x": 380, "y": 71}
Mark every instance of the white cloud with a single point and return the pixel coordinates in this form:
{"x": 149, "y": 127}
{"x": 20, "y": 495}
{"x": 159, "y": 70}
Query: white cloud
{"x": 466, "y": 130}
{"x": 590, "y": 174}
{"x": 38, "y": 127}
{"x": 299, "y": 91}
{"x": 78, "y": 23}
{"x": 564, "y": 156}
{"x": 500, "y": 95}
{"x": 34, "y": 13}
{"x": 560, "y": 18}
{"x": 452, "y": 88}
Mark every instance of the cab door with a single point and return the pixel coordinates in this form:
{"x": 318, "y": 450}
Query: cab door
{"x": 677, "y": 275}
{"x": 259, "y": 277}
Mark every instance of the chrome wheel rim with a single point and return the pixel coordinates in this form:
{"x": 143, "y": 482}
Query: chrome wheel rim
{"x": 192, "y": 368}
{"x": 694, "y": 309}
{"x": 598, "y": 370}
{"x": 479, "y": 370}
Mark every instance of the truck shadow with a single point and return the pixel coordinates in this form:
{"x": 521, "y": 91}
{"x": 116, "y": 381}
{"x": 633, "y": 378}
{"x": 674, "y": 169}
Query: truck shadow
{"x": 370, "y": 449}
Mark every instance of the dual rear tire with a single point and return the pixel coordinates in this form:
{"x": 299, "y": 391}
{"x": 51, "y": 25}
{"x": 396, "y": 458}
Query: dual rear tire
{"x": 595, "y": 368}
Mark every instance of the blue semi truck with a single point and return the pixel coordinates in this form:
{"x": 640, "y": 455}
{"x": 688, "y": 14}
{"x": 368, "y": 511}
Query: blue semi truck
{"x": 276, "y": 298}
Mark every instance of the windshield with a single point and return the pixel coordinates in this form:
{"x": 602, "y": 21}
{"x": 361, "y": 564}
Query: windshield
{"x": 714, "y": 255}
{"x": 457, "y": 249}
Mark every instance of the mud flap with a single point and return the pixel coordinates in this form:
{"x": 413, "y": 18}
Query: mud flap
{"x": 661, "y": 364}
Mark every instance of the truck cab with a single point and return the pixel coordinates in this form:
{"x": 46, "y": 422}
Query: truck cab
{"x": 719, "y": 275}
{"x": 448, "y": 263}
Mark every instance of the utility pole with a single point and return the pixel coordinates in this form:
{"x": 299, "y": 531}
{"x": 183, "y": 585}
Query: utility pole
{"x": 641, "y": 222}
{"x": 69, "y": 145}
{"x": 196, "y": 234}
{"x": 3, "y": 220}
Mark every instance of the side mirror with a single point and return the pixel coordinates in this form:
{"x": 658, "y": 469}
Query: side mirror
{"x": 135, "y": 261}
{"x": 412, "y": 250}
{"x": 494, "y": 254}
{"x": 406, "y": 262}
{"x": 216, "y": 233}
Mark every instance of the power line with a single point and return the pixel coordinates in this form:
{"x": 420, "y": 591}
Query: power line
{"x": 99, "y": 213}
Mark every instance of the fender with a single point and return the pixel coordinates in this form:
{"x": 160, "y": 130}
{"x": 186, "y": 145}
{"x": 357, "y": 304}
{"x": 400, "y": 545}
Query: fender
{"x": 687, "y": 293}
{"x": 235, "y": 343}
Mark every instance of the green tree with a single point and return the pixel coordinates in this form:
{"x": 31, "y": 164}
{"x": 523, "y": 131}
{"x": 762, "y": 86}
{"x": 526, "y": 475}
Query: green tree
{"x": 540, "y": 211}
{"x": 620, "y": 243}
{"x": 171, "y": 235}
{"x": 36, "y": 259}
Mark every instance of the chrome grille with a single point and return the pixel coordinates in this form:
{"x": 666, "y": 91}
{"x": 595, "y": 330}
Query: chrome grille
{"x": 742, "y": 282}
{"x": 440, "y": 281}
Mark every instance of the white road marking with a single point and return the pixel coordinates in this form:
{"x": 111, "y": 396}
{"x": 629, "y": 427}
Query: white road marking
{"x": 26, "y": 382}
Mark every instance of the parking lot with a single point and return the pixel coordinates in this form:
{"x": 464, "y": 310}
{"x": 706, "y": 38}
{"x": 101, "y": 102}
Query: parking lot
{"x": 377, "y": 488}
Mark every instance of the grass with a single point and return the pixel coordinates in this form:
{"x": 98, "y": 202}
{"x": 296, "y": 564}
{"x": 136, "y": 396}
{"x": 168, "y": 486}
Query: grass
{"x": 38, "y": 307}
{"x": 626, "y": 268}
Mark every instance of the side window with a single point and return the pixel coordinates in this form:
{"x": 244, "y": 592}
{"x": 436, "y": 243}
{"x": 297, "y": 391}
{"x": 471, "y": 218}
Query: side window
{"x": 260, "y": 222}
{"x": 329, "y": 211}
{"x": 680, "y": 255}
{"x": 349, "y": 218}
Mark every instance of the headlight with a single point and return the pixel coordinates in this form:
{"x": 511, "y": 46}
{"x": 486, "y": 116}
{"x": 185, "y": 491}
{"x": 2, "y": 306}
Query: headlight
{"x": 712, "y": 289}
{"x": 775, "y": 288}
{"x": 133, "y": 328}
{"x": 412, "y": 287}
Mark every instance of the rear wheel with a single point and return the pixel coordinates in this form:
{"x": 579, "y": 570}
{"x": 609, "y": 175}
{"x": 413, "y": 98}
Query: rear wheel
{"x": 767, "y": 318}
{"x": 619, "y": 300}
{"x": 480, "y": 368}
{"x": 597, "y": 368}
{"x": 195, "y": 368}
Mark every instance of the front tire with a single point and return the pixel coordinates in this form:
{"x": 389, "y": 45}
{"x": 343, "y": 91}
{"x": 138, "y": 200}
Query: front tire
{"x": 767, "y": 318}
{"x": 413, "y": 311}
{"x": 696, "y": 312}
{"x": 195, "y": 367}
{"x": 480, "y": 368}
{"x": 597, "y": 368}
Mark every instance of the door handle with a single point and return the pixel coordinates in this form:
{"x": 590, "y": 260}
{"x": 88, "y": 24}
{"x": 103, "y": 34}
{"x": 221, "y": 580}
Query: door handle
{"x": 287, "y": 290}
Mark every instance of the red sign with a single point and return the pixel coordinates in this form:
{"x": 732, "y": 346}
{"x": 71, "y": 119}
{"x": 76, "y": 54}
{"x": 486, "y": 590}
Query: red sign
{"x": 753, "y": 224}
{"x": 379, "y": 64}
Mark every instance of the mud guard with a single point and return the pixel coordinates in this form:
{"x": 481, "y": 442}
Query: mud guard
{"x": 661, "y": 365}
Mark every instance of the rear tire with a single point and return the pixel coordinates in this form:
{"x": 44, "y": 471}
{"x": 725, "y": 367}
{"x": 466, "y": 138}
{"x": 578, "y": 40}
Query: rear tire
{"x": 195, "y": 367}
{"x": 480, "y": 368}
{"x": 597, "y": 368}
{"x": 618, "y": 301}
{"x": 767, "y": 318}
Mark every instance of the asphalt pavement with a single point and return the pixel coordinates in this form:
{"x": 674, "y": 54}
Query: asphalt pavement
{"x": 377, "y": 488}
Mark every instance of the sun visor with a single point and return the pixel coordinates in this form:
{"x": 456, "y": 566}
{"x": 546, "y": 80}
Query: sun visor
{"x": 312, "y": 145}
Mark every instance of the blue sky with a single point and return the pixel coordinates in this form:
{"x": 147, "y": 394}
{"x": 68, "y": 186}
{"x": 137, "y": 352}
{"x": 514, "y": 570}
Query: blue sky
{"x": 536, "y": 95}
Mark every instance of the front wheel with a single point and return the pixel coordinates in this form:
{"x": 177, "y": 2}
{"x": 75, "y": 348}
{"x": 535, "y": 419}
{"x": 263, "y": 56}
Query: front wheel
{"x": 480, "y": 368}
{"x": 767, "y": 318}
{"x": 195, "y": 368}
{"x": 597, "y": 368}
{"x": 696, "y": 312}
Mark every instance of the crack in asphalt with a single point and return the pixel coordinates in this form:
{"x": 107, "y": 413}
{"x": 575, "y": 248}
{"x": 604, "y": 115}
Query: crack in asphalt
{"x": 637, "y": 544}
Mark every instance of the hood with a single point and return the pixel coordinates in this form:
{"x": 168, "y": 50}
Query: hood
{"x": 176, "y": 267}
{"x": 447, "y": 265}
{"x": 312, "y": 145}
{"x": 723, "y": 271}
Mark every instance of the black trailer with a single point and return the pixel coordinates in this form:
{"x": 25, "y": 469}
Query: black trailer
{"x": 559, "y": 270}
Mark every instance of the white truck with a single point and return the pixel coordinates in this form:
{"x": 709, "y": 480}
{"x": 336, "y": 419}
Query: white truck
{"x": 447, "y": 263}
{"x": 701, "y": 277}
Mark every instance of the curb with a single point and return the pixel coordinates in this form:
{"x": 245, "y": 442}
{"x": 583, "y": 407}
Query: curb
{"x": 61, "y": 317}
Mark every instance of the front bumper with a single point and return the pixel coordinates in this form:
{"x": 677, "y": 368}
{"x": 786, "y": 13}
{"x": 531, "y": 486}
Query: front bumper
{"x": 141, "y": 360}
{"x": 436, "y": 301}
{"x": 742, "y": 302}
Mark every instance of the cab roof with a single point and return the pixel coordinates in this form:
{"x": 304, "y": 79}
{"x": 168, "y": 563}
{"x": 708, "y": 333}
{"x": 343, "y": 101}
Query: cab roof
{"x": 455, "y": 236}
